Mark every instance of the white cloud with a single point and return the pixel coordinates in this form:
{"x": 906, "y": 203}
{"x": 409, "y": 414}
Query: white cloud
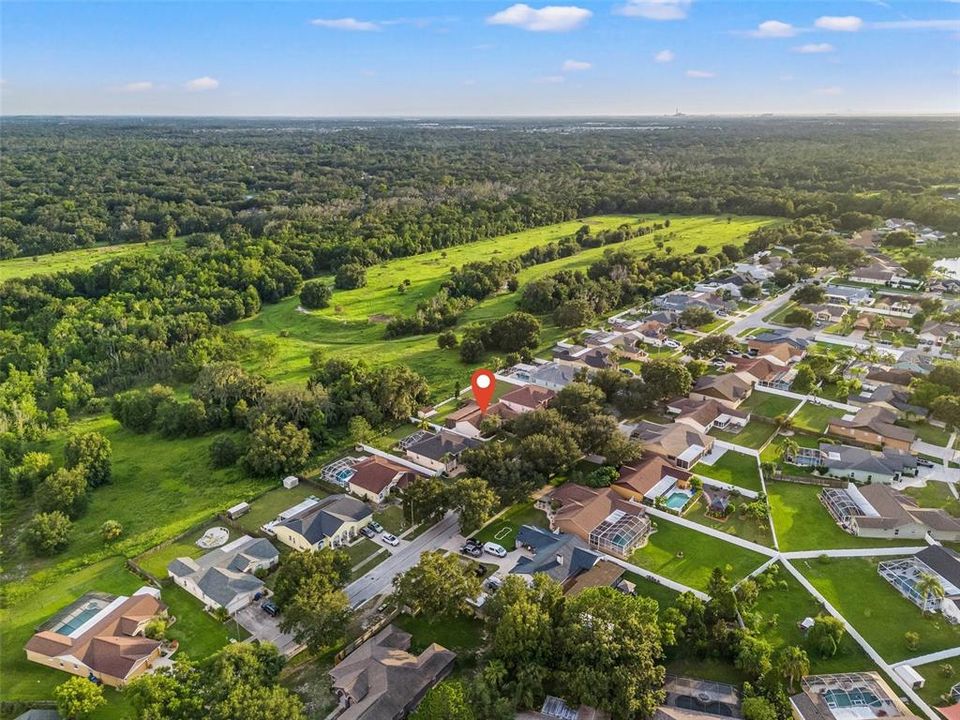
{"x": 844, "y": 23}
{"x": 664, "y": 56}
{"x": 655, "y": 9}
{"x": 136, "y": 87}
{"x": 551, "y": 79}
{"x": 574, "y": 65}
{"x": 830, "y": 90}
{"x": 814, "y": 48}
{"x": 550, "y": 18}
{"x": 774, "y": 29}
{"x": 202, "y": 83}
{"x": 700, "y": 74}
{"x": 347, "y": 23}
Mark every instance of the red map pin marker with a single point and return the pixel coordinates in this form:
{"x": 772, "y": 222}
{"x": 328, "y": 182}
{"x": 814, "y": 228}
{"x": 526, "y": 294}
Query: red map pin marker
{"x": 482, "y": 382}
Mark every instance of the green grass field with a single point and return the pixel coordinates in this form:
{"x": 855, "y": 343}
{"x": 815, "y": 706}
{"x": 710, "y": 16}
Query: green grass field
{"x": 735, "y": 468}
{"x": 754, "y": 435}
{"x": 887, "y": 616}
{"x": 733, "y": 525}
{"x": 504, "y": 529}
{"x": 24, "y": 267}
{"x": 937, "y": 686}
{"x": 701, "y": 554}
{"x": 664, "y": 596}
{"x": 783, "y": 607}
{"x": 935, "y": 495}
{"x": 266, "y": 507}
{"x": 200, "y": 635}
{"x": 361, "y": 550}
{"x": 802, "y": 523}
{"x": 814, "y": 418}
{"x": 155, "y": 561}
{"x": 928, "y": 433}
{"x": 767, "y": 404}
{"x": 353, "y": 327}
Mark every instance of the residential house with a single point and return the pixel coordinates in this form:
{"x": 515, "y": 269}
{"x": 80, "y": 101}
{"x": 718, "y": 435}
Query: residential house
{"x": 757, "y": 272}
{"x": 890, "y": 397}
{"x": 879, "y": 271}
{"x": 849, "y": 462}
{"x": 721, "y": 287}
{"x": 938, "y": 333}
{"x": 866, "y": 240}
{"x": 551, "y": 375}
{"x": 888, "y": 375}
{"x": 899, "y": 224}
{"x": 887, "y": 322}
{"x": 374, "y": 478}
{"x": 679, "y": 301}
{"x": 731, "y": 389}
{"x": 696, "y": 699}
{"x": 781, "y": 347}
{"x": 527, "y": 398}
{"x": 706, "y": 415}
{"x": 600, "y": 517}
{"x": 827, "y": 313}
{"x": 848, "y": 696}
{"x": 224, "y": 577}
{"x": 382, "y": 680}
{"x": 879, "y": 511}
{"x": 941, "y": 563}
{"x": 597, "y": 358}
{"x": 765, "y": 372}
{"x": 100, "y": 636}
{"x": 557, "y": 555}
{"x": 872, "y": 425}
{"x": 848, "y": 295}
{"x": 648, "y": 479}
{"x": 441, "y": 451}
{"x": 679, "y": 443}
{"x": 314, "y": 524}
{"x": 555, "y": 708}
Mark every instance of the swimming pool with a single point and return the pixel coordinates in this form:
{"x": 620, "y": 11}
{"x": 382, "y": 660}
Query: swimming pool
{"x": 678, "y": 499}
{"x": 76, "y": 620}
{"x": 856, "y": 697}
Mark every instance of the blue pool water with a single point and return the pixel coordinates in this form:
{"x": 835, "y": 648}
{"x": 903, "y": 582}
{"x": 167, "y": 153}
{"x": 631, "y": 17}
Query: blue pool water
{"x": 76, "y": 621}
{"x": 677, "y": 500}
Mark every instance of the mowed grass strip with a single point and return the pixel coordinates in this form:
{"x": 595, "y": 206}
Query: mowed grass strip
{"x": 353, "y": 327}
{"x": 880, "y": 613}
{"x": 734, "y": 468}
{"x": 733, "y": 524}
{"x": 503, "y": 530}
{"x": 935, "y": 495}
{"x": 24, "y": 267}
{"x": 803, "y": 523}
{"x": 767, "y": 404}
{"x": 755, "y": 435}
{"x": 815, "y": 418}
{"x": 688, "y": 556}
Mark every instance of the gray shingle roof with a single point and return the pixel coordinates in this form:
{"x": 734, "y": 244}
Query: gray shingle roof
{"x": 327, "y": 517}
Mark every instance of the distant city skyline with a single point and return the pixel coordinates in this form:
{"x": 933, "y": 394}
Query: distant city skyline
{"x": 474, "y": 59}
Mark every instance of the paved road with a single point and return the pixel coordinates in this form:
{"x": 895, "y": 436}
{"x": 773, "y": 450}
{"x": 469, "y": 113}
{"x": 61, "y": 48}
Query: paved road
{"x": 755, "y": 318}
{"x": 380, "y": 578}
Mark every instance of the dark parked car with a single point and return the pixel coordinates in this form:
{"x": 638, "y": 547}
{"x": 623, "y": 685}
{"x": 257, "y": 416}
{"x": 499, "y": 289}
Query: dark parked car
{"x": 270, "y": 608}
{"x": 368, "y": 531}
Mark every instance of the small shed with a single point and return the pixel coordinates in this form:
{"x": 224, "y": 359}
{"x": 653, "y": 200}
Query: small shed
{"x": 807, "y": 623}
{"x": 907, "y": 672}
{"x": 291, "y": 481}
{"x": 238, "y": 510}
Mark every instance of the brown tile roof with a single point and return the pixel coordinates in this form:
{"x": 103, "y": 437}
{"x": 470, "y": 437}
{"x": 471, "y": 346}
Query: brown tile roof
{"x": 375, "y": 474}
{"x": 106, "y": 646}
{"x": 670, "y": 440}
{"x": 642, "y": 477}
{"x": 729, "y": 386}
{"x": 878, "y": 420}
{"x": 760, "y": 368}
{"x": 531, "y": 396}
{"x": 582, "y": 508}
{"x": 471, "y": 414}
{"x": 603, "y": 574}
{"x": 704, "y": 412}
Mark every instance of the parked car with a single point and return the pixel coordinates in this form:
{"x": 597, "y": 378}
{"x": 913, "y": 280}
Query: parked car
{"x": 367, "y": 531}
{"x": 923, "y": 462}
{"x": 671, "y": 344}
{"x": 472, "y": 550}
{"x": 270, "y": 608}
{"x": 375, "y": 526}
{"x": 719, "y": 363}
{"x": 498, "y": 550}
{"x": 494, "y": 583}
{"x": 390, "y": 539}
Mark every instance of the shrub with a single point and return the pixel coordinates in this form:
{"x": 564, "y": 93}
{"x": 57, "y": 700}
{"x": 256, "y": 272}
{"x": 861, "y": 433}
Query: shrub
{"x": 224, "y": 451}
{"x": 47, "y": 533}
{"x": 315, "y": 294}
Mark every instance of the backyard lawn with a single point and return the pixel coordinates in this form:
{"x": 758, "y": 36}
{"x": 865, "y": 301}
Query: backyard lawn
{"x": 504, "y": 529}
{"x": 802, "y": 523}
{"x": 783, "y": 608}
{"x": 928, "y": 433}
{"x": 936, "y": 689}
{"x": 935, "y": 495}
{"x": 735, "y": 468}
{"x": 754, "y": 435}
{"x": 462, "y": 634}
{"x": 155, "y": 561}
{"x": 733, "y": 525}
{"x": 392, "y": 519}
{"x": 847, "y": 582}
{"x": 267, "y": 507}
{"x": 699, "y": 554}
{"x": 199, "y": 633}
{"x": 664, "y": 596}
{"x": 767, "y": 404}
{"x": 814, "y": 418}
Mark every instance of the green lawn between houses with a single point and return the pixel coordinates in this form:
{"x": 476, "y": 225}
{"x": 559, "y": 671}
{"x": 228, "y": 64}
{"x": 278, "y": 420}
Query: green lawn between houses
{"x": 935, "y": 495}
{"x": 701, "y": 554}
{"x": 353, "y": 327}
{"x": 936, "y": 689}
{"x": 767, "y": 404}
{"x": 24, "y": 267}
{"x": 735, "y": 468}
{"x": 803, "y": 523}
{"x": 155, "y": 561}
{"x": 733, "y": 524}
{"x": 814, "y": 418}
{"x": 754, "y": 435}
{"x": 880, "y": 613}
{"x": 462, "y": 634}
{"x": 928, "y": 433}
{"x": 503, "y": 530}
{"x": 266, "y": 507}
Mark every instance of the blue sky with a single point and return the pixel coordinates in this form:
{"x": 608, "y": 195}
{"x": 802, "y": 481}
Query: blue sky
{"x": 631, "y": 57}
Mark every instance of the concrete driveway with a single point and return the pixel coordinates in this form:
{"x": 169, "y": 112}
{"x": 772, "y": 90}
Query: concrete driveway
{"x": 264, "y": 628}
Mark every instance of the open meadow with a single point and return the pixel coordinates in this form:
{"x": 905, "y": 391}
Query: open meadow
{"x": 24, "y": 267}
{"x": 353, "y": 326}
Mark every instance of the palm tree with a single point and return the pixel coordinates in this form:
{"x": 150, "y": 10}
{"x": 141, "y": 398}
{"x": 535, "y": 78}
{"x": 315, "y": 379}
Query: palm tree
{"x": 783, "y": 421}
{"x": 929, "y": 588}
{"x": 788, "y": 449}
{"x": 793, "y": 663}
